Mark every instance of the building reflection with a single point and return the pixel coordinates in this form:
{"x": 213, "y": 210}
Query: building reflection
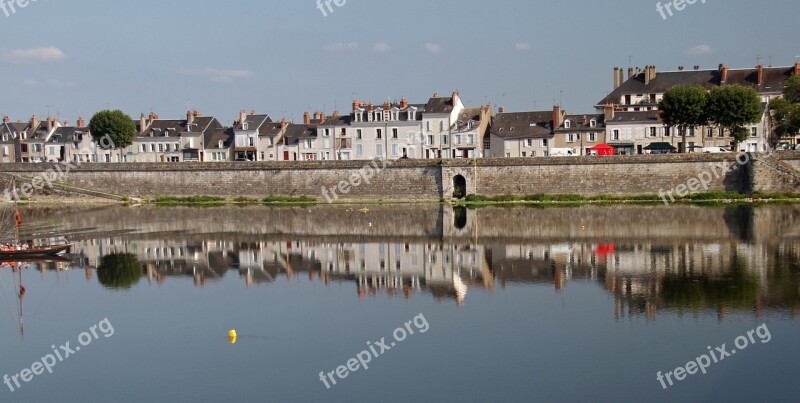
{"x": 694, "y": 260}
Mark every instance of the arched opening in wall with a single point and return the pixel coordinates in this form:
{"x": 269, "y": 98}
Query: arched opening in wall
{"x": 459, "y": 187}
{"x": 460, "y": 217}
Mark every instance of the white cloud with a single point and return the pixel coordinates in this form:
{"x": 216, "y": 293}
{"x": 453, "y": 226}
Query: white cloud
{"x": 48, "y": 83}
{"x": 219, "y": 75}
{"x": 522, "y": 46}
{"x": 382, "y": 47}
{"x": 433, "y": 48}
{"x": 342, "y": 46}
{"x": 33, "y": 55}
{"x": 699, "y": 50}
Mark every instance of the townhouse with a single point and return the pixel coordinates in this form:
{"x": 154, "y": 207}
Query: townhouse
{"x": 172, "y": 140}
{"x": 521, "y": 134}
{"x": 257, "y": 137}
{"x": 438, "y": 119}
{"x": 644, "y": 89}
{"x": 578, "y": 132}
{"x": 10, "y": 134}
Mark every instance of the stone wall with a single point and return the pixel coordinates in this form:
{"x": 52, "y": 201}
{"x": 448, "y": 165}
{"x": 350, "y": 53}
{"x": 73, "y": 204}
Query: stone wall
{"x": 413, "y": 179}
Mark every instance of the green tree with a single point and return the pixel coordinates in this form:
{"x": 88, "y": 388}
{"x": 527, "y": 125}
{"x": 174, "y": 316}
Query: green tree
{"x": 119, "y": 271}
{"x": 785, "y": 117}
{"x": 792, "y": 90}
{"x": 115, "y": 126}
{"x": 684, "y": 107}
{"x": 732, "y": 108}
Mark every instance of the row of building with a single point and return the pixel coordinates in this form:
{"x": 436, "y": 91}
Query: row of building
{"x": 627, "y": 120}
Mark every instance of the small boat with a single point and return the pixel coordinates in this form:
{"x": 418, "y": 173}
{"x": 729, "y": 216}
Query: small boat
{"x": 43, "y": 252}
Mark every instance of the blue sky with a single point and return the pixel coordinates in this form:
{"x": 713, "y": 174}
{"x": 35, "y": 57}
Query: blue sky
{"x": 284, "y": 57}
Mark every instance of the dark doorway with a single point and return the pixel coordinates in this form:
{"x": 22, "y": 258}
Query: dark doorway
{"x": 459, "y": 187}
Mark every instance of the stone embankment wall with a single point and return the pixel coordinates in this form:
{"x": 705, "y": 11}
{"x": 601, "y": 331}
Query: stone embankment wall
{"x": 429, "y": 179}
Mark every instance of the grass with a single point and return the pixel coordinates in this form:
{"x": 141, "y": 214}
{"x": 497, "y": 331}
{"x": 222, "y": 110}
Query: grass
{"x": 288, "y": 200}
{"x": 191, "y": 200}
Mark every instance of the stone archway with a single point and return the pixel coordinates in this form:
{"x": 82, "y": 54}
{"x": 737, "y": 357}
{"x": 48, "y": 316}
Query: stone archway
{"x": 459, "y": 187}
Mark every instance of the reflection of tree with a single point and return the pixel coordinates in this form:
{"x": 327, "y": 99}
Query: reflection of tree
{"x": 740, "y": 222}
{"x": 119, "y": 271}
{"x": 783, "y": 280}
{"x": 737, "y": 289}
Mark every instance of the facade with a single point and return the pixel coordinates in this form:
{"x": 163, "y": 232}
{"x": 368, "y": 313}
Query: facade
{"x": 470, "y": 131}
{"x": 257, "y": 137}
{"x": 438, "y": 119}
{"x": 578, "y": 132}
{"x": 521, "y": 134}
{"x": 10, "y": 134}
{"x": 172, "y": 140}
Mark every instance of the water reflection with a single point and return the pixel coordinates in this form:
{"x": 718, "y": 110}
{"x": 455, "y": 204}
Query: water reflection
{"x": 686, "y": 259}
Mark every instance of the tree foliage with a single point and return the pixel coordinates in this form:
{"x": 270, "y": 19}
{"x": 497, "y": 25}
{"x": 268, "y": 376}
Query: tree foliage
{"x": 732, "y": 108}
{"x": 119, "y": 271}
{"x": 792, "y": 90}
{"x": 684, "y": 106}
{"x": 785, "y": 111}
{"x": 115, "y": 124}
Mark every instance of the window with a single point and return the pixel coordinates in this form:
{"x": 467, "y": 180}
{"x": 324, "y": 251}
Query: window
{"x": 592, "y": 123}
{"x": 444, "y": 139}
{"x": 327, "y": 143}
{"x": 359, "y": 150}
{"x": 691, "y": 132}
{"x": 592, "y": 137}
{"x": 458, "y": 139}
{"x": 251, "y": 142}
{"x": 394, "y": 133}
{"x": 567, "y": 124}
{"x": 570, "y": 138}
{"x": 358, "y": 134}
{"x": 161, "y": 148}
{"x": 615, "y": 135}
{"x": 428, "y": 125}
{"x": 152, "y": 148}
{"x": 754, "y": 132}
{"x": 380, "y": 133}
{"x": 5, "y": 150}
{"x": 667, "y": 131}
{"x": 395, "y": 150}
{"x": 379, "y": 150}
{"x": 544, "y": 142}
{"x": 441, "y": 125}
{"x": 470, "y": 139}
{"x": 653, "y": 131}
{"x": 144, "y": 148}
{"x": 307, "y": 143}
{"x": 178, "y": 146}
{"x": 710, "y": 132}
{"x": 430, "y": 140}
{"x": 327, "y": 132}
{"x": 221, "y": 144}
{"x": 721, "y": 132}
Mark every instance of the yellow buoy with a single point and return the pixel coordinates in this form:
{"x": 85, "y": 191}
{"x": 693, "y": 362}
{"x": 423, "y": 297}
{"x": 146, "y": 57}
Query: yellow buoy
{"x": 232, "y": 336}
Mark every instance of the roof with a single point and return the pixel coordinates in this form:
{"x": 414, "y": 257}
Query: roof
{"x": 522, "y": 124}
{"x": 160, "y": 127}
{"x": 212, "y": 137}
{"x": 439, "y": 105}
{"x": 296, "y": 133}
{"x": 774, "y": 81}
{"x": 257, "y": 121}
{"x": 577, "y": 122}
{"x": 68, "y": 134}
{"x": 635, "y": 117}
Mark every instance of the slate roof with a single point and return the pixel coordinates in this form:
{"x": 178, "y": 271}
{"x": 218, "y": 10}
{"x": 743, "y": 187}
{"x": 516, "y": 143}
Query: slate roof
{"x": 212, "y": 137}
{"x": 576, "y": 121}
{"x": 513, "y": 125}
{"x": 296, "y": 133}
{"x": 774, "y": 81}
{"x": 159, "y": 127}
{"x": 653, "y": 117}
{"x": 439, "y": 105}
{"x": 68, "y": 134}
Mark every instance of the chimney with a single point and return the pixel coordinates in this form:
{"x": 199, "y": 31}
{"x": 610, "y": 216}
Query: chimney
{"x": 723, "y": 74}
{"x": 66, "y": 123}
{"x": 316, "y": 116}
{"x": 609, "y": 112}
{"x": 153, "y": 117}
{"x": 284, "y": 123}
{"x": 387, "y": 106}
{"x": 34, "y": 122}
{"x": 197, "y": 114}
{"x": 242, "y": 116}
{"x": 322, "y": 116}
{"x": 252, "y": 112}
{"x": 637, "y": 71}
{"x": 647, "y": 75}
{"x": 501, "y": 110}
{"x": 621, "y": 75}
{"x": 797, "y": 68}
{"x": 697, "y": 67}
{"x": 142, "y": 122}
{"x": 356, "y": 105}
{"x": 652, "y": 73}
{"x": 436, "y": 95}
{"x": 630, "y": 72}
{"x": 760, "y": 69}
{"x": 306, "y": 118}
{"x": 616, "y": 78}
{"x": 49, "y": 124}
{"x": 680, "y": 68}
{"x": 189, "y": 118}
{"x": 6, "y": 119}
{"x": 456, "y": 98}
{"x": 403, "y": 103}
{"x": 82, "y": 123}
{"x": 371, "y": 107}
{"x": 336, "y": 113}
{"x": 558, "y": 117}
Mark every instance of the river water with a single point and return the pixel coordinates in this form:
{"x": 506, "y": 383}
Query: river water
{"x": 492, "y": 304}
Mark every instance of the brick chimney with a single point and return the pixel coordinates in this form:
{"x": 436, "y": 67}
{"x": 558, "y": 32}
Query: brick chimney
{"x": 242, "y": 116}
{"x": 336, "y": 113}
{"x": 797, "y": 68}
{"x": 558, "y": 117}
{"x": 153, "y": 117}
{"x": 356, "y": 105}
{"x": 616, "y": 78}
{"x": 142, "y": 123}
{"x": 284, "y": 123}
{"x": 609, "y": 112}
{"x": 404, "y": 103}
{"x": 6, "y": 119}
{"x": 189, "y": 117}
{"x": 82, "y": 123}
{"x": 322, "y": 116}
{"x": 306, "y": 118}
{"x": 760, "y": 73}
{"x": 723, "y": 74}
{"x": 501, "y": 110}
{"x": 630, "y": 72}
{"x": 436, "y": 95}
{"x": 197, "y": 114}
{"x": 49, "y": 124}
{"x": 34, "y": 122}
{"x": 621, "y": 75}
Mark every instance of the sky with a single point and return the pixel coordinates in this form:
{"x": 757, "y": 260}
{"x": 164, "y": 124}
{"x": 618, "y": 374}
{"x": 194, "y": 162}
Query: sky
{"x": 71, "y": 58}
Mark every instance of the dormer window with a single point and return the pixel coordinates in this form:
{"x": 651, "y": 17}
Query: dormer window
{"x": 593, "y": 123}
{"x": 221, "y": 144}
{"x": 567, "y": 124}
{"x": 245, "y": 126}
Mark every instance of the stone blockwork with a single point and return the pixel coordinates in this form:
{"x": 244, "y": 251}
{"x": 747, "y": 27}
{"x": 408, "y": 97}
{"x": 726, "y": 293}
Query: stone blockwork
{"x": 417, "y": 179}
{"x": 779, "y": 172}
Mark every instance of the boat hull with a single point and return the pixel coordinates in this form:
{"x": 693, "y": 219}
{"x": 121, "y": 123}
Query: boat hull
{"x": 33, "y": 253}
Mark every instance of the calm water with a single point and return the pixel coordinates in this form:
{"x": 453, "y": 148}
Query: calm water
{"x": 573, "y": 304}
